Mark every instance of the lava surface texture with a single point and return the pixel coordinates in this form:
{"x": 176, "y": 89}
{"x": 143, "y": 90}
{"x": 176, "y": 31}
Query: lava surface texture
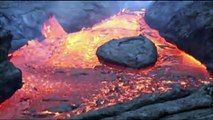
{"x": 63, "y": 76}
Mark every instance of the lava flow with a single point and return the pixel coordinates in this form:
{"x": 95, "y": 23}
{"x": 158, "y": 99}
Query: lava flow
{"x": 64, "y": 69}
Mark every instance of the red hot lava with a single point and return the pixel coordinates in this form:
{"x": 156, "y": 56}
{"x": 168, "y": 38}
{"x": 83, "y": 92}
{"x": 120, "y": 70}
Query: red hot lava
{"x": 63, "y": 68}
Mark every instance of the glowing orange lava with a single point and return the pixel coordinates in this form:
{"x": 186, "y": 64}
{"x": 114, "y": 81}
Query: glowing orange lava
{"x": 65, "y": 66}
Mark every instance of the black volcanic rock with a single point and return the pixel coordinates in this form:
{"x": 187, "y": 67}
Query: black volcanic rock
{"x": 188, "y": 24}
{"x": 62, "y": 108}
{"x": 10, "y": 76}
{"x": 134, "y": 52}
{"x": 5, "y": 45}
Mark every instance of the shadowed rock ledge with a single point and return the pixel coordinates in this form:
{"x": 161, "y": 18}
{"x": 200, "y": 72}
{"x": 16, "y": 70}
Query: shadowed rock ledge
{"x": 187, "y": 24}
{"x": 10, "y": 76}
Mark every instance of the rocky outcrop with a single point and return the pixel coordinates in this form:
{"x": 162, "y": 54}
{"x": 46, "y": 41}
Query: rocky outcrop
{"x": 163, "y": 106}
{"x": 10, "y": 76}
{"x": 188, "y": 24}
{"x": 134, "y": 52}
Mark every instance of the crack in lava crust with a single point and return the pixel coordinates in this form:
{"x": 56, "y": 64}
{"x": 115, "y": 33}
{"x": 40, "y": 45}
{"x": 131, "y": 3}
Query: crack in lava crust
{"x": 65, "y": 66}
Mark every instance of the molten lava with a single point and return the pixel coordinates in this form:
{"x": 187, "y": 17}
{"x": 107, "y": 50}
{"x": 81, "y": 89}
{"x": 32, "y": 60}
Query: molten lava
{"x": 64, "y": 65}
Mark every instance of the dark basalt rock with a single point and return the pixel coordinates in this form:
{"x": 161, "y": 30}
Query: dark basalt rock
{"x": 5, "y": 45}
{"x": 210, "y": 67}
{"x": 62, "y": 108}
{"x": 200, "y": 114}
{"x": 10, "y": 76}
{"x": 188, "y": 24}
{"x": 134, "y": 52}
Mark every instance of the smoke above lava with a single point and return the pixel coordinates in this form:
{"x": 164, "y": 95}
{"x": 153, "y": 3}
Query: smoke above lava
{"x": 134, "y": 5}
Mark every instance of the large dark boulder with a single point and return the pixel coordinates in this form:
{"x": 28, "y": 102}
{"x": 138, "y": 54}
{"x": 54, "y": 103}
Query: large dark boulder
{"x": 188, "y": 24}
{"x": 134, "y": 52}
{"x": 10, "y": 76}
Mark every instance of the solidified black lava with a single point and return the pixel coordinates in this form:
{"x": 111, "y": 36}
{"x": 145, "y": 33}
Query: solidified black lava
{"x": 159, "y": 106}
